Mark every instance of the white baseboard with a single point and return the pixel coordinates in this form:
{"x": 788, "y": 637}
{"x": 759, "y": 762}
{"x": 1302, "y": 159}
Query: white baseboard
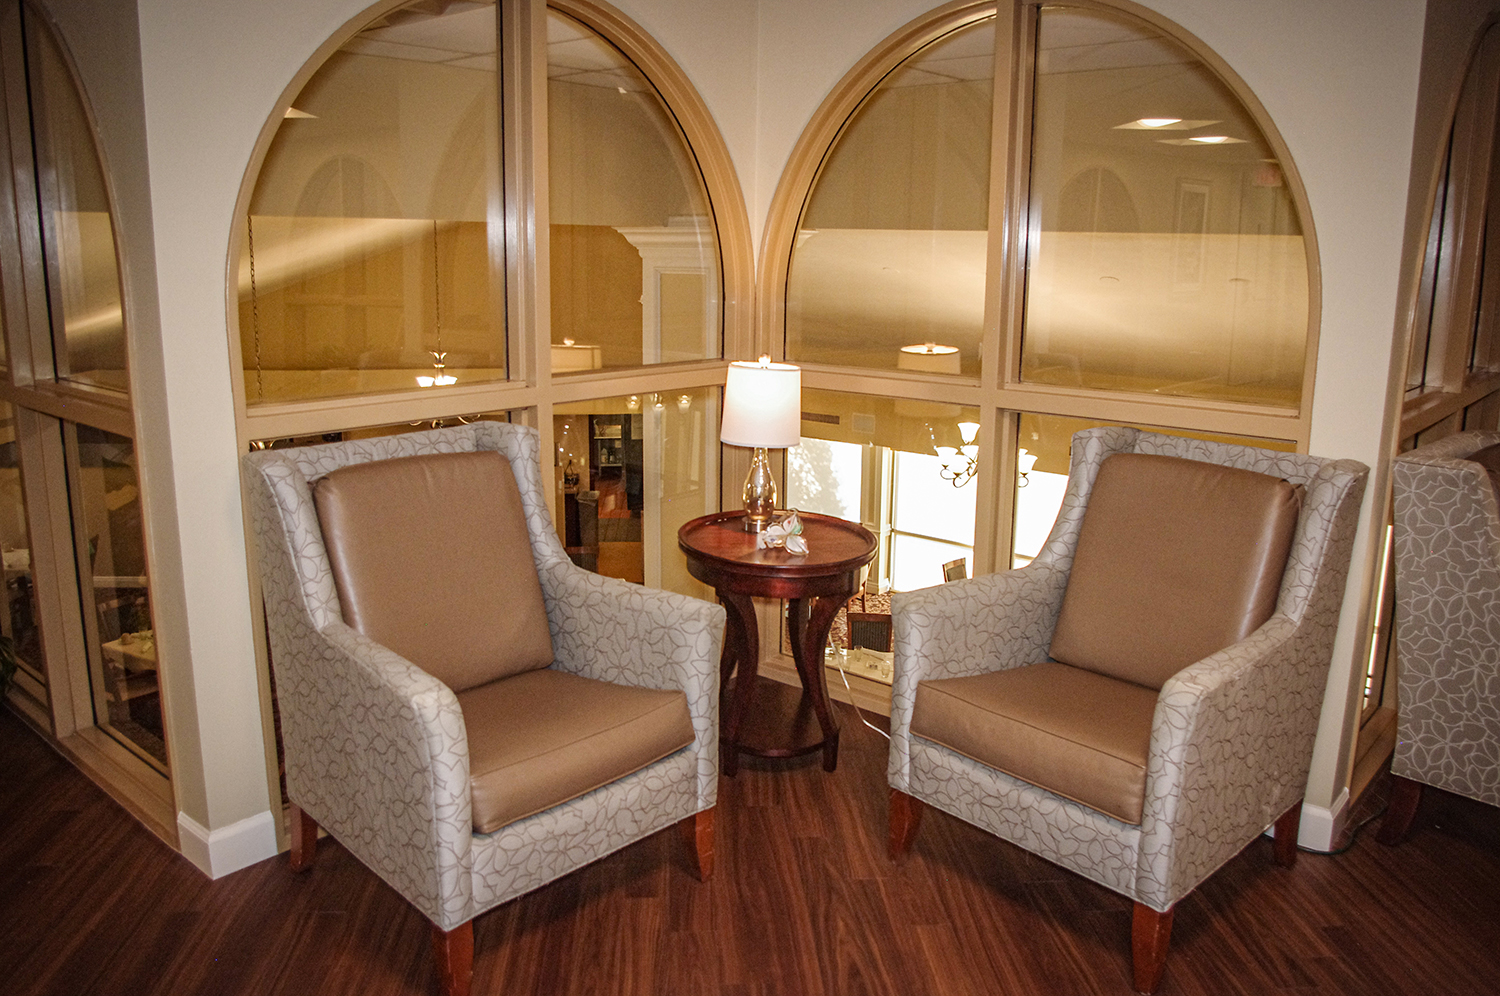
{"x": 1321, "y": 826}
{"x": 228, "y": 849}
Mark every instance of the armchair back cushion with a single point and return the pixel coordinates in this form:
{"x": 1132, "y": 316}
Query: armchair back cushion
{"x": 431, "y": 558}
{"x": 1176, "y": 560}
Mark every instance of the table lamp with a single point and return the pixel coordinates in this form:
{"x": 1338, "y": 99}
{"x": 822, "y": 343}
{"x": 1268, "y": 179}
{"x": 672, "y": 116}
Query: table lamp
{"x": 762, "y": 408}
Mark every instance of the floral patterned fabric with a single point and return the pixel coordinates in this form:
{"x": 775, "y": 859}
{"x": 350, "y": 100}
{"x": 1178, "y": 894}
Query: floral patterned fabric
{"x": 1448, "y": 618}
{"x": 1233, "y": 734}
{"x": 376, "y": 749}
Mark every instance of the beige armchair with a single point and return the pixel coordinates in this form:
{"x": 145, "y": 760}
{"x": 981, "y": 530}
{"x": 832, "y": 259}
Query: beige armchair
{"x": 466, "y": 711}
{"x": 1193, "y": 589}
{"x": 1447, "y": 557}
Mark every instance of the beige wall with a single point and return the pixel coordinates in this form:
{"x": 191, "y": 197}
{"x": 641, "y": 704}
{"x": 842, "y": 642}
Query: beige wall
{"x": 1339, "y": 78}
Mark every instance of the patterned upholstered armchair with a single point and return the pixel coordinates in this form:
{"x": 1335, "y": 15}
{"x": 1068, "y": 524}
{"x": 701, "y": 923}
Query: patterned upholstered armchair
{"x": 1447, "y": 624}
{"x": 468, "y": 724}
{"x": 1182, "y": 724}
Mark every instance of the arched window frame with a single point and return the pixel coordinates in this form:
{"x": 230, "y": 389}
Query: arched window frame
{"x": 531, "y": 390}
{"x": 49, "y": 409}
{"x": 999, "y": 392}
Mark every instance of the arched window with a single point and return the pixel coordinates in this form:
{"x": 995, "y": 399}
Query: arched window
{"x": 1010, "y": 221}
{"x": 77, "y": 606}
{"x": 412, "y": 251}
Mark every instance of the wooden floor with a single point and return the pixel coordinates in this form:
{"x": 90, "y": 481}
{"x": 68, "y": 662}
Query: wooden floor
{"x": 803, "y": 903}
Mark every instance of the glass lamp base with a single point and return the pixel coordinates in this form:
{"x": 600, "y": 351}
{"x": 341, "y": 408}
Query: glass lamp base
{"x": 760, "y": 492}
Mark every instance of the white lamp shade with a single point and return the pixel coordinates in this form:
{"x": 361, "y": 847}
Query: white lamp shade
{"x": 929, "y": 357}
{"x": 762, "y": 405}
{"x": 568, "y": 357}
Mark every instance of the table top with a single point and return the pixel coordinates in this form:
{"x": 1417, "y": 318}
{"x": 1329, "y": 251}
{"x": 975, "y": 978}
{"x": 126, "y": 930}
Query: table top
{"x": 834, "y": 546}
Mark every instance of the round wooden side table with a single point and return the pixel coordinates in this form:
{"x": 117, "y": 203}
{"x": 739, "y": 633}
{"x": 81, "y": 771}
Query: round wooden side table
{"x": 815, "y": 584}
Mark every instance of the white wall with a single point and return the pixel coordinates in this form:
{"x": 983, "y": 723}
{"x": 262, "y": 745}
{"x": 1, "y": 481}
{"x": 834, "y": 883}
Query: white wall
{"x": 1339, "y": 79}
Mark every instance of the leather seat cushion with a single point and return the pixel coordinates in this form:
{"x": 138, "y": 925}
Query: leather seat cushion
{"x": 1075, "y": 733}
{"x": 431, "y": 558}
{"x": 1176, "y": 560}
{"x": 540, "y": 738}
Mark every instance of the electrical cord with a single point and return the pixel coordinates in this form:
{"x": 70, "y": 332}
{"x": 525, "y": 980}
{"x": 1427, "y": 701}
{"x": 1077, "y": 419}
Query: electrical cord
{"x": 857, "y": 711}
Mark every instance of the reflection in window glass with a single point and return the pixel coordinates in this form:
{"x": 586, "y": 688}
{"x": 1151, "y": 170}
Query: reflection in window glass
{"x": 892, "y": 245}
{"x": 1166, "y": 254}
{"x": 112, "y": 580}
{"x": 634, "y": 254}
{"x": 920, "y": 504}
{"x": 1045, "y": 444}
{"x": 78, "y": 237}
{"x": 826, "y": 476}
{"x": 374, "y": 251}
{"x": 628, "y": 472}
{"x": 18, "y": 618}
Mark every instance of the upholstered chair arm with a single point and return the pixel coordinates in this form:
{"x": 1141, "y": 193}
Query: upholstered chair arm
{"x": 384, "y": 766}
{"x": 985, "y": 624}
{"x": 1230, "y": 747}
{"x": 612, "y": 630}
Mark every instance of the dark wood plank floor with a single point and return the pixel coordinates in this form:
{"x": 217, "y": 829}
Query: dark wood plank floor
{"x": 803, "y": 903}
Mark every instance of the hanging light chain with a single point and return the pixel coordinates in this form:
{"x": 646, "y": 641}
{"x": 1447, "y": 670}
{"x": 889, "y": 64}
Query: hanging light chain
{"x": 260, "y": 380}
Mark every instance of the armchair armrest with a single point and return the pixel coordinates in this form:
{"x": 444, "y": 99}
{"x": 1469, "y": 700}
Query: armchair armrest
{"x": 969, "y": 627}
{"x": 1231, "y": 743}
{"x": 612, "y": 630}
{"x": 383, "y": 765}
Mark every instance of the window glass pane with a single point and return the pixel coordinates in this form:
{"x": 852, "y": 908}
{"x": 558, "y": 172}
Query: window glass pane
{"x": 628, "y": 472}
{"x": 1039, "y": 490}
{"x": 826, "y": 476}
{"x": 374, "y": 251}
{"x": 18, "y": 619}
{"x": 634, "y": 253}
{"x": 892, "y": 245}
{"x": 78, "y": 237}
{"x": 112, "y": 580}
{"x": 920, "y": 504}
{"x": 918, "y": 562}
{"x": 930, "y": 501}
{"x": 1166, "y": 254}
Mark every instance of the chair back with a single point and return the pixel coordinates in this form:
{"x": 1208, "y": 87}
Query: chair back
{"x": 1447, "y": 562}
{"x": 301, "y": 591}
{"x": 1176, "y": 559}
{"x": 431, "y": 558}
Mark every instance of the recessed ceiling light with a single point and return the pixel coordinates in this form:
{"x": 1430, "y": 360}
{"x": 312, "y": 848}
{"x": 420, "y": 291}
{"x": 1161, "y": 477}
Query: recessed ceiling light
{"x": 1156, "y": 122}
{"x": 1209, "y": 139}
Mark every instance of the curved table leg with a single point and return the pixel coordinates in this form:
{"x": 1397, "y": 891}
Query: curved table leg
{"x": 808, "y": 640}
{"x": 742, "y": 651}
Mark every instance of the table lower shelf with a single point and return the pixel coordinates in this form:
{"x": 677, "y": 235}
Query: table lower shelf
{"x": 780, "y": 722}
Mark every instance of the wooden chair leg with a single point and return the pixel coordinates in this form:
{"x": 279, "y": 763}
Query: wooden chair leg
{"x": 1287, "y": 828}
{"x": 698, "y": 834}
{"x": 453, "y": 950}
{"x": 304, "y": 839}
{"x": 906, "y": 814}
{"x": 1406, "y": 795}
{"x": 1150, "y": 934}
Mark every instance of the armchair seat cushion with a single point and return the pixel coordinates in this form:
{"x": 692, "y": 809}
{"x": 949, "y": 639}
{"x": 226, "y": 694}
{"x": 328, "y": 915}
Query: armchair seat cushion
{"x": 540, "y": 738}
{"x": 1073, "y": 732}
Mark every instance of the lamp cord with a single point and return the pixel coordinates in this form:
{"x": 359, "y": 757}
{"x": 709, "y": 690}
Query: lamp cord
{"x": 857, "y": 710}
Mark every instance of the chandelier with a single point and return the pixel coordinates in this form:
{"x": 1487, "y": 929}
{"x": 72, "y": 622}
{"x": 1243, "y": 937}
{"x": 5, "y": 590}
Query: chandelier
{"x": 959, "y": 464}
